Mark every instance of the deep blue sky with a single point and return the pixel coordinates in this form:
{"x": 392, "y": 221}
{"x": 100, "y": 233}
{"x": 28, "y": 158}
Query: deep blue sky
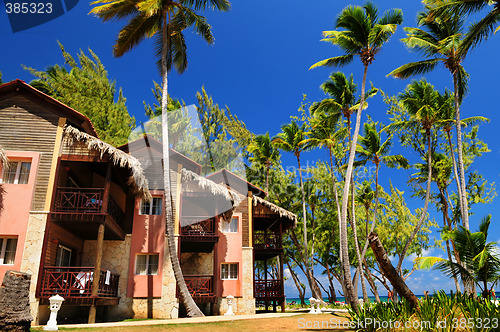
{"x": 258, "y": 67}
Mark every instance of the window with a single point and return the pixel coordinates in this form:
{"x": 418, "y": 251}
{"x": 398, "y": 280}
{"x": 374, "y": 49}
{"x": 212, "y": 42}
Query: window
{"x": 153, "y": 207}
{"x": 63, "y": 256}
{"x": 229, "y": 271}
{"x": 146, "y": 264}
{"x": 16, "y": 172}
{"x": 230, "y": 226}
{"x": 7, "y": 250}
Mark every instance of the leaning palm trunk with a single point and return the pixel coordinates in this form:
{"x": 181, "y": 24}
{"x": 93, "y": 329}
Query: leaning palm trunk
{"x": 463, "y": 196}
{"x": 336, "y": 195}
{"x": 191, "y": 307}
{"x": 356, "y": 246}
{"x": 349, "y": 295}
{"x": 426, "y": 204}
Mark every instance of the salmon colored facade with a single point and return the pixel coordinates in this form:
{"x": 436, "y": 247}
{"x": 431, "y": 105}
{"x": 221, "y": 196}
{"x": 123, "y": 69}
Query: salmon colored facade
{"x": 146, "y": 241}
{"x": 17, "y": 205}
{"x": 230, "y": 252}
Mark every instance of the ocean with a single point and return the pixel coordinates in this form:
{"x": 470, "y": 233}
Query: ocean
{"x": 339, "y": 298}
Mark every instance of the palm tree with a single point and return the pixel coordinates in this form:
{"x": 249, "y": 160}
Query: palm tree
{"x": 446, "y": 122}
{"x": 422, "y": 103}
{"x": 164, "y": 20}
{"x": 479, "y": 31}
{"x": 326, "y": 132}
{"x": 442, "y": 41}
{"x": 264, "y": 153}
{"x": 371, "y": 148}
{"x": 480, "y": 257}
{"x": 364, "y": 35}
{"x": 441, "y": 171}
{"x": 293, "y": 139}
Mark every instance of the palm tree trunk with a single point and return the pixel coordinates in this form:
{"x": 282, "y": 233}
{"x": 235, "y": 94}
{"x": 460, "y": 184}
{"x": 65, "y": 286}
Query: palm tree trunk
{"x": 446, "y": 222}
{"x": 389, "y": 272}
{"x": 455, "y": 172}
{"x": 372, "y": 228}
{"x": 426, "y": 204}
{"x": 304, "y": 213}
{"x": 350, "y": 296}
{"x": 191, "y": 307}
{"x": 369, "y": 277}
{"x": 463, "y": 197}
{"x": 356, "y": 246}
{"x": 336, "y": 195}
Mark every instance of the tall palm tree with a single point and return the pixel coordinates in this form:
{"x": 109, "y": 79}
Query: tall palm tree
{"x": 364, "y": 35}
{"x": 293, "y": 139}
{"x": 326, "y": 132}
{"x": 441, "y": 40}
{"x": 422, "y": 103}
{"x": 480, "y": 257}
{"x": 371, "y": 148}
{"x": 166, "y": 21}
{"x": 264, "y": 153}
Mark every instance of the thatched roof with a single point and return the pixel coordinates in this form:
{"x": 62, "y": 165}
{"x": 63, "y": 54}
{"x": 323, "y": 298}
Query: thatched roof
{"x": 118, "y": 157}
{"x": 213, "y": 187}
{"x": 275, "y": 208}
{"x": 3, "y": 157}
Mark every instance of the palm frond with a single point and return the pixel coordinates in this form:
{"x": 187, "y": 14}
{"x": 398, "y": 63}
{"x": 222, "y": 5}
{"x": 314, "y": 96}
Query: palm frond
{"x": 425, "y": 263}
{"x": 415, "y": 68}
{"x": 138, "y": 28}
{"x": 337, "y": 61}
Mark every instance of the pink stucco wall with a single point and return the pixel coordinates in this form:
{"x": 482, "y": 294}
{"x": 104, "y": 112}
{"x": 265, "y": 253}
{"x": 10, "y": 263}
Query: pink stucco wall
{"x": 17, "y": 205}
{"x": 148, "y": 236}
{"x": 229, "y": 250}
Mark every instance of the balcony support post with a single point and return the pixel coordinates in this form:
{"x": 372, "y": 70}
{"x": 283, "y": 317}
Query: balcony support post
{"x": 282, "y": 287}
{"x": 266, "y": 291}
{"x": 97, "y": 272}
{"x": 107, "y": 187}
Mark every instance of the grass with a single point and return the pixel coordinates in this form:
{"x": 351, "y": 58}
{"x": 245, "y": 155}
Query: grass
{"x": 295, "y": 323}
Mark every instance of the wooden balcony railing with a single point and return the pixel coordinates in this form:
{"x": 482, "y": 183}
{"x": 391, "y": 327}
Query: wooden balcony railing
{"x": 193, "y": 227}
{"x": 268, "y": 288}
{"x": 86, "y": 201}
{"x": 266, "y": 240}
{"x": 200, "y": 285}
{"x": 76, "y": 282}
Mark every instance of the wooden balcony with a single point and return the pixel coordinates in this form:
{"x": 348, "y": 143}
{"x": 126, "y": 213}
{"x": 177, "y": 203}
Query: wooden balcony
{"x": 74, "y": 284}
{"x": 81, "y": 208}
{"x": 201, "y": 287}
{"x": 266, "y": 245}
{"x": 198, "y": 234}
{"x": 268, "y": 290}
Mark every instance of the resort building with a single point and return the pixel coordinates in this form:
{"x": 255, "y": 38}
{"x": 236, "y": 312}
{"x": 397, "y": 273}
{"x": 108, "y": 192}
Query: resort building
{"x": 75, "y": 208}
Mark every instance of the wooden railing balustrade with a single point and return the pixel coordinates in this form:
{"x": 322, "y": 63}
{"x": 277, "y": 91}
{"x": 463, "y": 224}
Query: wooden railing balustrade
{"x": 85, "y": 201}
{"x": 192, "y": 226}
{"x": 200, "y": 285}
{"x": 268, "y": 288}
{"x": 76, "y": 282}
{"x": 266, "y": 240}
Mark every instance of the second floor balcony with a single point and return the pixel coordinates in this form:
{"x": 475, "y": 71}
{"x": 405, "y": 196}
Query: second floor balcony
{"x": 199, "y": 229}
{"x": 79, "y": 208}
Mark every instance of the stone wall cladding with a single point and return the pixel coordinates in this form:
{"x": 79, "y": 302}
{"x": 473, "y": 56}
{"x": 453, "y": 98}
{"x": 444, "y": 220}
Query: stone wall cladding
{"x": 197, "y": 263}
{"x": 115, "y": 257}
{"x": 32, "y": 253}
